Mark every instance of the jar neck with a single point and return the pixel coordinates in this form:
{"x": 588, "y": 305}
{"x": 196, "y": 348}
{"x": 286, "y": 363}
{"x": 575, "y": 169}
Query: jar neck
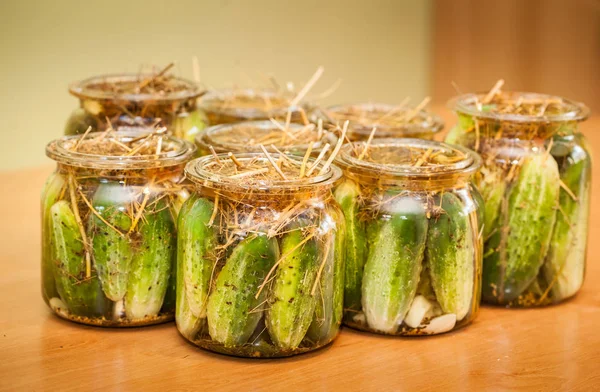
{"x": 154, "y": 176}
{"x": 523, "y": 131}
{"x": 148, "y": 108}
{"x": 277, "y": 199}
{"x": 434, "y": 183}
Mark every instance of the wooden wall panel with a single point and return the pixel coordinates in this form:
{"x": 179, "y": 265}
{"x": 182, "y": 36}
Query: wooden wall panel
{"x": 549, "y": 46}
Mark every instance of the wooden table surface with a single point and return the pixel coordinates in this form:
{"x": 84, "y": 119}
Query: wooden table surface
{"x": 554, "y": 348}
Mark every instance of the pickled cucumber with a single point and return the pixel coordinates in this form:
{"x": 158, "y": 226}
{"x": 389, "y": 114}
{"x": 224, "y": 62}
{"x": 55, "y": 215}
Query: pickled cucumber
{"x": 292, "y": 308}
{"x": 113, "y": 252}
{"x": 233, "y": 311}
{"x": 565, "y": 264}
{"x": 493, "y": 188}
{"x": 151, "y": 267}
{"x": 81, "y": 294}
{"x": 79, "y": 121}
{"x": 330, "y": 292}
{"x": 196, "y": 244}
{"x": 188, "y": 126}
{"x": 531, "y": 215}
{"x": 53, "y": 189}
{"x": 450, "y": 254}
{"x": 393, "y": 266}
{"x": 347, "y": 195}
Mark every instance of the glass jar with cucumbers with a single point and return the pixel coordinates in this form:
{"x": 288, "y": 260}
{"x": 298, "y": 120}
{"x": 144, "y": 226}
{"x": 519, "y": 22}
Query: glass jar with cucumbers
{"x": 413, "y": 236}
{"x": 109, "y": 226}
{"x": 260, "y": 255}
{"x": 229, "y": 106}
{"x": 391, "y": 121}
{"x": 535, "y": 182}
{"x": 296, "y": 139}
{"x": 147, "y": 99}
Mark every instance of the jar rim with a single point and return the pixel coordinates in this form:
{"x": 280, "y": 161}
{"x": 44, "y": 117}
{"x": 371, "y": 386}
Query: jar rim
{"x": 461, "y": 160}
{"x": 88, "y": 89}
{"x": 467, "y": 104}
{"x": 213, "y": 101}
{"x": 180, "y": 151}
{"x": 210, "y": 137}
{"x": 196, "y": 172}
{"x": 430, "y": 122}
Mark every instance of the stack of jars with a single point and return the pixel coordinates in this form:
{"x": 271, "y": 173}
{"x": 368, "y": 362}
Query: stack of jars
{"x": 283, "y": 222}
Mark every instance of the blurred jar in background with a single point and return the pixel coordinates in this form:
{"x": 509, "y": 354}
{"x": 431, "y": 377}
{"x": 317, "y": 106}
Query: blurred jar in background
{"x": 136, "y": 100}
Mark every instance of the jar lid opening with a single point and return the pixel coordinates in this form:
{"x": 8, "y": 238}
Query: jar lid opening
{"x": 127, "y": 148}
{"x": 520, "y": 107}
{"x": 388, "y": 119}
{"x": 136, "y": 88}
{"x": 248, "y": 136}
{"x": 257, "y": 171}
{"x": 407, "y": 158}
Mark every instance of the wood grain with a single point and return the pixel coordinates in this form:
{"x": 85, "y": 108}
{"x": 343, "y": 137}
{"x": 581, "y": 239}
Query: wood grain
{"x": 545, "y": 46}
{"x": 555, "y": 348}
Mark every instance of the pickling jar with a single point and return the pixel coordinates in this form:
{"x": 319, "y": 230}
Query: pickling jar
{"x": 109, "y": 233}
{"x": 227, "y": 106}
{"x": 260, "y": 258}
{"x": 391, "y": 121}
{"x": 413, "y": 236}
{"x": 136, "y": 100}
{"x": 249, "y": 136}
{"x": 536, "y": 183}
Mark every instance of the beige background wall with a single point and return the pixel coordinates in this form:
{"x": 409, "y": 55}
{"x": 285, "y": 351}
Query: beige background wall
{"x": 380, "y": 49}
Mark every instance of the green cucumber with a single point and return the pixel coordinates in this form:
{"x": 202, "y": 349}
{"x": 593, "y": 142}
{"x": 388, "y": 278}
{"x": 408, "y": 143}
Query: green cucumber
{"x": 196, "y": 242}
{"x": 462, "y": 133}
{"x": 112, "y": 247}
{"x": 152, "y": 265}
{"x": 565, "y": 265}
{"x": 81, "y": 294}
{"x": 189, "y": 125}
{"x": 393, "y": 266}
{"x": 292, "y": 305}
{"x": 187, "y": 323}
{"x": 233, "y": 311}
{"x": 493, "y": 188}
{"x": 347, "y": 195}
{"x": 531, "y": 210}
{"x": 451, "y": 255}
{"x": 330, "y": 290}
{"x": 79, "y": 121}
{"x": 53, "y": 189}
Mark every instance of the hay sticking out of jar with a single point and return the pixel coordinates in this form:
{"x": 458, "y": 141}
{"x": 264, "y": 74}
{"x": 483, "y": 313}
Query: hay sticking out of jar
{"x": 405, "y": 155}
{"x": 158, "y": 82}
{"x": 368, "y": 115}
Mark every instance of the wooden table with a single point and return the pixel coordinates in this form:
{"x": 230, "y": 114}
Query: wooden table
{"x": 555, "y": 348}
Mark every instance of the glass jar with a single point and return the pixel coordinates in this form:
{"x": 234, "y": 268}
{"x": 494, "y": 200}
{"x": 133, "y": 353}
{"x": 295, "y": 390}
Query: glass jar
{"x": 248, "y": 136}
{"x": 536, "y": 185}
{"x": 391, "y": 121}
{"x": 229, "y": 106}
{"x": 260, "y": 259}
{"x": 136, "y": 100}
{"x": 413, "y": 236}
{"x": 108, "y": 226}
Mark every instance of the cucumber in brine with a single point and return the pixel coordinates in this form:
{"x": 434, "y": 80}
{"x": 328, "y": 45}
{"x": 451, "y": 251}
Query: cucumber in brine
{"x": 81, "y": 293}
{"x": 531, "y": 212}
{"x": 233, "y": 310}
{"x": 196, "y": 242}
{"x": 152, "y": 265}
{"x": 393, "y": 266}
{"x": 451, "y": 256}
{"x": 565, "y": 265}
{"x": 111, "y": 244}
{"x": 292, "y": 306}
{"x": 347, "y": 195}
{"x": 54, "y": 187}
